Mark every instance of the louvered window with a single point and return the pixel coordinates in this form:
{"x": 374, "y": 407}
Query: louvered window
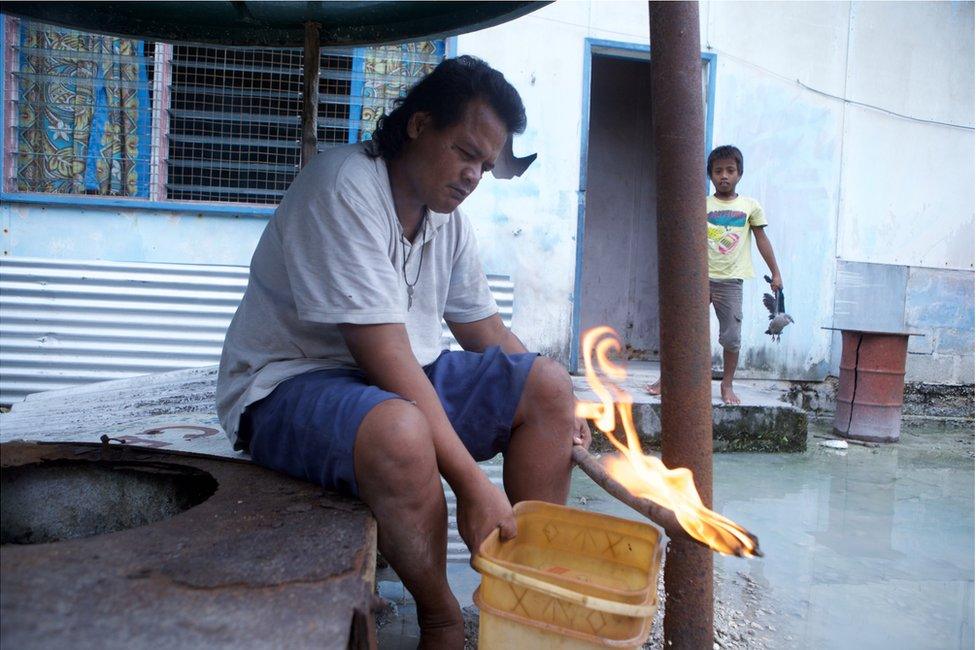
{"x": 233, "y": 123}
{"x": 106, "y": 116}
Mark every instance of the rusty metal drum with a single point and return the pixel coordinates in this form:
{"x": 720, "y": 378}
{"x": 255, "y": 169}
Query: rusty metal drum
{"x": 872, "y": 385}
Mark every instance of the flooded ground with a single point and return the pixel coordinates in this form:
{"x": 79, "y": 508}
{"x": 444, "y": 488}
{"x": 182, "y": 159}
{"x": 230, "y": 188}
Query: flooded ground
{"x": 865, "y": 547}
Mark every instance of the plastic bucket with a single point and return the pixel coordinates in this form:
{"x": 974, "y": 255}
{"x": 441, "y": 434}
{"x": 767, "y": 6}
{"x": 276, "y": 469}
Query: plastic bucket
{"x": 570, "y": 579}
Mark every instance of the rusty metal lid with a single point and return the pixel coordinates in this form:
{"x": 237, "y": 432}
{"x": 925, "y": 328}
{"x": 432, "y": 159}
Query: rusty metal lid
{"x": 266, "y": 561}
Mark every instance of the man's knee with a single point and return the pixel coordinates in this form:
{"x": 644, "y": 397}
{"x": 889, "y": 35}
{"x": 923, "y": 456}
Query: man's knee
{"x": 394, "y": 442}
{"x": 548, "y": 387}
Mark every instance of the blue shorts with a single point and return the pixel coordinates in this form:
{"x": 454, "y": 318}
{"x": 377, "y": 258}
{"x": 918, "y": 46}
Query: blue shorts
{"x": 307, "y": 427}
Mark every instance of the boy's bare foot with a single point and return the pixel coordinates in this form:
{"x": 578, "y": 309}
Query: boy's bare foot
{"x": 441, "y": 631}
{"x": 654, "y": 388}
{"x": 729, "y": 396}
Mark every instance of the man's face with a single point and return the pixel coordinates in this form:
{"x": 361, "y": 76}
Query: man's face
{"x": 725, "y": 175}
{"x": 445, "y": 165}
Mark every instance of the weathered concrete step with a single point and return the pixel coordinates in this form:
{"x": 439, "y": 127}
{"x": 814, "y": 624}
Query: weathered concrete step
{"x": 141, "y": 405}
{"x": 174, "y": 411}
{"x": 762, "y": 422}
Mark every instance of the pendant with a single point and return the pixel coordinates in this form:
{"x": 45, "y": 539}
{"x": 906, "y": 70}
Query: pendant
{"x": 409, "y": 298}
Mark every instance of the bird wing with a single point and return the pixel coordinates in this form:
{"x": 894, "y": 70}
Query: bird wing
{"x": 770, "y": 302}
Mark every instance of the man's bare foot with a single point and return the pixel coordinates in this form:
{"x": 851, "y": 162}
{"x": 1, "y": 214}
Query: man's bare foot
{"x": 654, "y": 388}
{"x": 442, "y": 637}
{"x": 729, "y": 396}
{"x": 442, "y": 631}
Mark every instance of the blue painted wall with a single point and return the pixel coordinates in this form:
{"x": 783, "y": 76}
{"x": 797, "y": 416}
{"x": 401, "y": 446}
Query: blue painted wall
{"x": 935, "y": 303}
{"x": 89, "y": 233}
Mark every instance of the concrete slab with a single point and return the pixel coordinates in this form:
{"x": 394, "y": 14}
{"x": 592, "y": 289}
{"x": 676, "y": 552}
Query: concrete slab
{"x": 171, "y": 411}
{"x": 174, "y": 411}
{"x": 762, "y": 422}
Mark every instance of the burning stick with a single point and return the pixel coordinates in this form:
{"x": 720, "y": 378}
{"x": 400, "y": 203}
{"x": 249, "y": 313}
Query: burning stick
{"x": 645, "y": 479}
{"x": 660, "y": 515}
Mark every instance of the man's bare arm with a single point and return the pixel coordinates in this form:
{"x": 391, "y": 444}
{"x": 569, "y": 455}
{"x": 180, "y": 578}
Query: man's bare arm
{"x": 383, "y": 353}
{"x": 484, "y": 333}
{"x": 766, "y": 250}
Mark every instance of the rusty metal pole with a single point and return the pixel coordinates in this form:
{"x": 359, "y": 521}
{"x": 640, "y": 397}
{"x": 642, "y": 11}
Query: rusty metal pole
{"x": 310, "y": 92}
{"x": 686, "y": 406}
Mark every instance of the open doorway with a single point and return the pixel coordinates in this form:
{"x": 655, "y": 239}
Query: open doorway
{"x": 619, "y": 277}
{"x": 616, "y": 247}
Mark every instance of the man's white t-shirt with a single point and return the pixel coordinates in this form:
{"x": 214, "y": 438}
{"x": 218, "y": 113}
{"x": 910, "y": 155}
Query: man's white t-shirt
{"x": 334, "y": 253}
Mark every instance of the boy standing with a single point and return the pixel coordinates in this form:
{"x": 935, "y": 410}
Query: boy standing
{"x": 733, "y": 221}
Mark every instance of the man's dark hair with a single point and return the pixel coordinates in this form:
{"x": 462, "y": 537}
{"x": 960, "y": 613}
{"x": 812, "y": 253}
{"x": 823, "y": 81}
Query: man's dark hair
{"x": 445, "y": 93}
{"x": 725, "y": 151}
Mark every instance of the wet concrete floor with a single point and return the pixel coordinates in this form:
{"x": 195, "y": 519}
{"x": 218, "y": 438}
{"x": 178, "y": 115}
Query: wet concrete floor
{"x": 865, "y": 547}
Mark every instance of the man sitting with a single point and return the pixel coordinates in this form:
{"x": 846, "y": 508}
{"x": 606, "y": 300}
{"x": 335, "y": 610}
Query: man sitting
{"x": 333, "y": 371}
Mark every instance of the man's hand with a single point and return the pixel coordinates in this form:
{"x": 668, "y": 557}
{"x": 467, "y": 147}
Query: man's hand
{"x": 383, "y": 352}
{"x": 777, "y": 283}
{"x": 482, "y": 509}
{"x": 583, "y": 436}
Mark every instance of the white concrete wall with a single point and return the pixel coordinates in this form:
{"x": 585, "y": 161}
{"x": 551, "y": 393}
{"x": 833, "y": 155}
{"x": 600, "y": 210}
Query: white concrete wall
{"x": 527, "y": 227}
{"x": 839, "y": 180}
{"x": 907, "y": 194}
{"x": 899, "y": 190}
{"x": 792, "y": 142}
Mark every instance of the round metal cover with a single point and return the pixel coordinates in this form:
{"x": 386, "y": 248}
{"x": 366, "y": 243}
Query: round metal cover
{"x": 266, "y": 561}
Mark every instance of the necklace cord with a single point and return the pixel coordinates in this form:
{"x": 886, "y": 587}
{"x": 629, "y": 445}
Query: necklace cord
{"x": 403, "y": 249}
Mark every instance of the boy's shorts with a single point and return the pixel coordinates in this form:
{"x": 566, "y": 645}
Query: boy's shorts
{"x": 726, "y": 298}
{"x": 307, "y": 427}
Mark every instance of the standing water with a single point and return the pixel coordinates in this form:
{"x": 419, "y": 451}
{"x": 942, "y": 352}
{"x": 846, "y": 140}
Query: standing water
{"x": 865, "y": 547}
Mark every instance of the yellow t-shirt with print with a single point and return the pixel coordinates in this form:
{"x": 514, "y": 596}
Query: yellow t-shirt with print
{"x": 730, "y": 225}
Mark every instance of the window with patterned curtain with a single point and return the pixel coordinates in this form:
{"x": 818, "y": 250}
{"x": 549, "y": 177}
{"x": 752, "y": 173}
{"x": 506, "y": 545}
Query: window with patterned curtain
{"x": 106, "y": 116}
{"x": 387, "y": 72}
{"x": 82, "y": 113}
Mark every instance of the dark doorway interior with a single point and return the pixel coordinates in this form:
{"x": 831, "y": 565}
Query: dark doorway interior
{"x": 619, "y": 278}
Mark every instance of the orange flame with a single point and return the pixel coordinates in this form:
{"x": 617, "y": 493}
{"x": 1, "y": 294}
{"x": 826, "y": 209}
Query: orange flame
{"x": 643, "y": 475}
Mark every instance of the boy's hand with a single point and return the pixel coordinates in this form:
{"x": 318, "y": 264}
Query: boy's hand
{"x": 777, "y": 282}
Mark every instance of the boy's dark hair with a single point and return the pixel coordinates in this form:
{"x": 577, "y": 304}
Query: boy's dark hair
{"x": 445, "y": 93}
{"x": 725, "y": 151}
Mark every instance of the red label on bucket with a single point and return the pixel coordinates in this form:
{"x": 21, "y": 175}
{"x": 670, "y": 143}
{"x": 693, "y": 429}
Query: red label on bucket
{"x": 558, "y": 570}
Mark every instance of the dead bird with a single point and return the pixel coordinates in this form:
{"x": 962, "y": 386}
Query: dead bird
{"x": 778, "y": 318}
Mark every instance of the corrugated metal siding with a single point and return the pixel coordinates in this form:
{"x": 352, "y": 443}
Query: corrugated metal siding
{"x": 67, "y": 323}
